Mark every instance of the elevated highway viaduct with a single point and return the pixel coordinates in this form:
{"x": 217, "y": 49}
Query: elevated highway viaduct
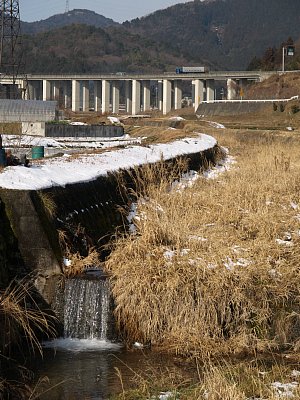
{"x": 103, "y": 91}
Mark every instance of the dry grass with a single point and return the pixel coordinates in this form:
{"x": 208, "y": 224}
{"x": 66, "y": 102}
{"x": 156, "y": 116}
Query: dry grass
{"x": 276, "y": 86}
{"x": 11, "y": 128}
{"x": 230, "y": 286}
{"x": 239, "y": 380}
{"x": 21, "y": 316}
{"x": 79, "y": 263}
{"x": 157, "y": 134}
{"x": 48, "y": 203}
{"x": 244, "y": 381}
{"x": 76, "y": 262}
{"x": 22, "y": 324}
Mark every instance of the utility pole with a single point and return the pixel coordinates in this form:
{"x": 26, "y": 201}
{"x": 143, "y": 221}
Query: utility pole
{"x": 10, "y": 42}
{"x": 288, "y": 50}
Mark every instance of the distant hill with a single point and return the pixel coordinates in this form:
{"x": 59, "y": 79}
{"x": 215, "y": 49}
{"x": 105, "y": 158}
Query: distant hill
{"x": 221, "y": 34}
{"x": 226, "y": 32}
{"x": 77, "y": 16}
{"x": 83, "y": 48}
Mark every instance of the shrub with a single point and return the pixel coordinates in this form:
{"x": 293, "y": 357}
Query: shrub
{"x": 295, "y": 108}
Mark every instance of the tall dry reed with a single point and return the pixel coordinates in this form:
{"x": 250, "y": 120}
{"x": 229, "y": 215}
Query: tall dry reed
{"x": 214, "y": 269}
{"x": 22, "y": 324}
{"x": 21, "y": 317}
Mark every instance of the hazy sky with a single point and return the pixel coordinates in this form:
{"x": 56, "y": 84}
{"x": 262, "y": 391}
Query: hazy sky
{"x": 118, "y": 10}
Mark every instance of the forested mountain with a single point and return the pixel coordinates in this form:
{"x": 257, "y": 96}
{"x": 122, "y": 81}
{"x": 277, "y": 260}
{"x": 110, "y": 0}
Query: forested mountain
{"x": 227, "y": 32}
{"x": 83, "y": 48}
{"x": 77, "y": 16}
{"x": 222, "y": 34}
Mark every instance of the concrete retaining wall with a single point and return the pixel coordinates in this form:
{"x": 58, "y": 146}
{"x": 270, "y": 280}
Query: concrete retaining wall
{"x": 82, "y": 131}
{"x": 29, "y": 228}
{"x": 88, "y": 213}
{"x": 224, "y": 109}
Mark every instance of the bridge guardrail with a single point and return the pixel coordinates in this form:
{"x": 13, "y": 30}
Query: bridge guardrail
{"x": 252, "y": 101}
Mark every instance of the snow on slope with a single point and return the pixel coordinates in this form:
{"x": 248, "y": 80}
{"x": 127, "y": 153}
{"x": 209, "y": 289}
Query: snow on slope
{"x": 66, "y": 170}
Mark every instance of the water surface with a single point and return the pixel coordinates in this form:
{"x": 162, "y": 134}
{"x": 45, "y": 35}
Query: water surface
{"x": 87, "y": 369}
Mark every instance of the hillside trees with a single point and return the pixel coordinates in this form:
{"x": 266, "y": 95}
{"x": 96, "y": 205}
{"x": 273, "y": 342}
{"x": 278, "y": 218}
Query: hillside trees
{"x": 228, "y": 34}
{"x": 83, "y": 48}
{"x": 219, "y": 34}
{"x": 272, "y": 59}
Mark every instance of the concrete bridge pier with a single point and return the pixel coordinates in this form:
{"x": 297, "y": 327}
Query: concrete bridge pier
{"x": 210, "y": 90}
{"x": 177, "y": 95}
{"x": 97, "y": 95}
{"x": 231, "y": 89}
{"x": 85, "y": 96}
{"x": 105, "y": 96}
{"x": 66, "y": 94}
{"x": 28, "y": 91}
{"x": 167, "y": 96}
{"x": 46, "y": 90}
{"x": 146, "y": 96}
{"x": 136, "y": 97}
{"x": 56, "y": 90}
{"x": 198, "y": 90}
{"x": 115, "y": 97}
{"x": 75, "y": 95}
{"x": 160, "y": 95}
{"x": 128, "y": 97}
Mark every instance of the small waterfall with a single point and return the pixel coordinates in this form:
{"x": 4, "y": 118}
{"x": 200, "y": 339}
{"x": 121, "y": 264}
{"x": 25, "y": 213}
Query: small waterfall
{"x": 86, "y": 308}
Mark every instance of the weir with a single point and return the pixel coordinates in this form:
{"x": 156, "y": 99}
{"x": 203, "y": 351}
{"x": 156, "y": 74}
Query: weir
{"x": 88, "y": 214}
{"x": 88, "y": 317}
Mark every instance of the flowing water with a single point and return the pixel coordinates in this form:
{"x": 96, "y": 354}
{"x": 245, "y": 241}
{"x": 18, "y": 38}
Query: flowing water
{"x": 81, "y": 365}
{"x": 88, "y": 363}
{"x": 86, "y": 308}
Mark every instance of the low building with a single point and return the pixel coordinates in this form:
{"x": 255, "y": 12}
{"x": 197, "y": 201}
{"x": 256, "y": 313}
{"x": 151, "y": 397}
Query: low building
{"x": 31, "y": 114}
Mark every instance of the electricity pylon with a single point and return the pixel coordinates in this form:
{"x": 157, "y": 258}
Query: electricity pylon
{"x": 67, "y": 6}
{"x": 10, "y": 42}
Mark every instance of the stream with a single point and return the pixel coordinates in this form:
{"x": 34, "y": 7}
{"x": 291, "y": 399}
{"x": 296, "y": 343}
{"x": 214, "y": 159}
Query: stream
{"x": 89, "y": 362}
{"x": 83, "y": 369}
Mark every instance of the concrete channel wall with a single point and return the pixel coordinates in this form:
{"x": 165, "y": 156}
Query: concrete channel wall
{"x": 88, "y": 213}
{"x": 82, "y": 131}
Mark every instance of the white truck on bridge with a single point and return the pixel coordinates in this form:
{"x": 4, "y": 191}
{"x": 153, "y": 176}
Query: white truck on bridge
{"x": 191, "y": 70}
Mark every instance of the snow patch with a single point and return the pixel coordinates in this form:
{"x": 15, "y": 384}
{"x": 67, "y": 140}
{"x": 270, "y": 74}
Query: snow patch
{"x": 78, "y": 123}
{"x": 240, "y": 262}
{"x": 59, "y": 172}
{"x": 216, "y": 125}
{"x": 285, "y": 389}
{"x": 114, "y": 120}
{"x": 28, "y": 141}
{"x": 177, "y": 118}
